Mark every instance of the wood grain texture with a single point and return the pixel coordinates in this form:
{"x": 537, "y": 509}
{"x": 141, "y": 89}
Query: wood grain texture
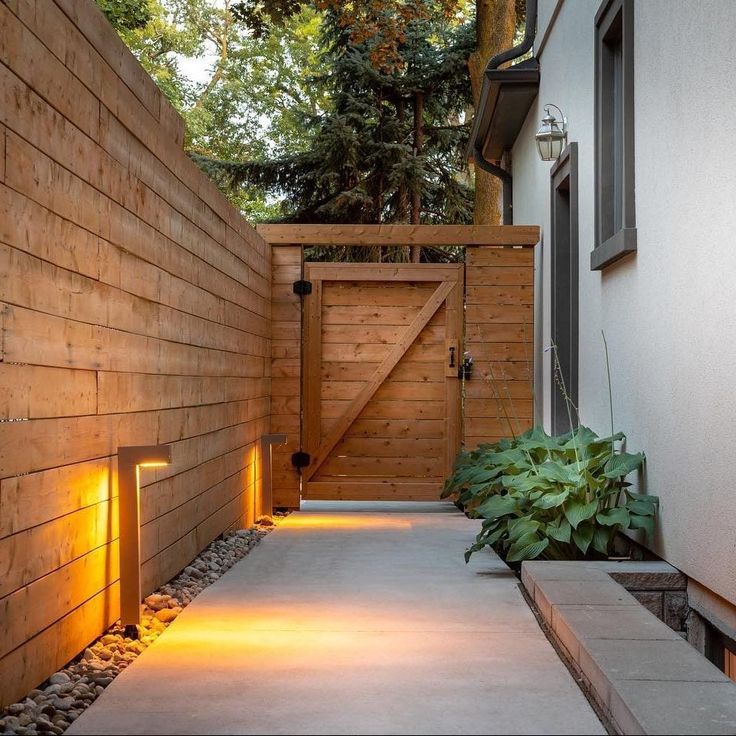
{"x": 387, "y": 409}
{"x": 286, "y": 373}
{"x": 393, "y": 355}
{"x": 499, "y": 334}
{"x": 135, "y": 308}
{"x": 401, "y": 234}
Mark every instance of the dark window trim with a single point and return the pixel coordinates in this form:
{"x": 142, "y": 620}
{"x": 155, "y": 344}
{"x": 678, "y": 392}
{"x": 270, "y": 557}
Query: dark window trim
{"x": 609, "y": 249}
{"x": 565, "y": 170}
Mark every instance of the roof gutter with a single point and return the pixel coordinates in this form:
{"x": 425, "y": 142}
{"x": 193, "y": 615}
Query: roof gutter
{"x": 476, "y": 145}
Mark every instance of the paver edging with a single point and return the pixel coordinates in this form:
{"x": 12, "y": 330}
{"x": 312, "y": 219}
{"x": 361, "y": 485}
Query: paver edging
{"x": 643, "y": 676}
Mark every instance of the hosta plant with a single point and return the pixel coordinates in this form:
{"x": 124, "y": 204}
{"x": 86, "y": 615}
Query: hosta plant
{"x": 558, "y": 498}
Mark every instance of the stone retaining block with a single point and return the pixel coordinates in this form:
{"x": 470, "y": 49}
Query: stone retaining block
{"x": 643, "y": 675}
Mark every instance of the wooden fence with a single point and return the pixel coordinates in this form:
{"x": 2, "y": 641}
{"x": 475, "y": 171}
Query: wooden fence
{"x": 135, "y": 309}
{"x": 498, "y": 327}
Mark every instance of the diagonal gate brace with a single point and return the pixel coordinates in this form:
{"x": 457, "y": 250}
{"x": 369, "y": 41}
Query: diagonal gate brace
{"x": 389, "y": 363}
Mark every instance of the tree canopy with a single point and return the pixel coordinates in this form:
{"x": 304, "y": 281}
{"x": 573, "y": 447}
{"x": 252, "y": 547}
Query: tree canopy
{"x": 320, "y": 110}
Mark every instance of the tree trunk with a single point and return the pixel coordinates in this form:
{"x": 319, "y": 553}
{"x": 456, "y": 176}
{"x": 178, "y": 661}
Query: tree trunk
{"x": 495, "y": 22}
{"x": 416, "y": 195}
{"x": 402, "y": 206}
{"x": 378, "y": 197}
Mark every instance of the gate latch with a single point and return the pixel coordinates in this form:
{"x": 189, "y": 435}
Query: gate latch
{"x": 465, "y": 370}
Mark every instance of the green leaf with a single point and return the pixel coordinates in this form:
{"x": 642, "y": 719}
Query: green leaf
{"x": 527, "y": 547}
{"x": 560, "y": 532}
{"x": 448, "y": 490}
{"x": 509, "y": 458}
{"x": 579, "y": 439}
{"x": 618, "y": 516}
{"x": 583, "y": 536}
{"x": 524, "y": 483}
{"x": 552, "y": 500}
{"x": 642, "y": 505}
{"x": 495, "y": 536}
{"x": 482, "y": 475}
{"x": 519, "y": 527}
{"x": 475, "y": 547}
{"x": 560, "y": 472}
{"x": 577, "y": 512}
{"x": 537, "y": 439}
{"x": 643, "y": 522}
{"x": 601, "y": 540}
{"x": 622, "y": 464}
{"x": 497, "y": 506}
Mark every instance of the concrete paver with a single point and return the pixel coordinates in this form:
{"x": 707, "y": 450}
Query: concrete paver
{"x": 352, "y": 619}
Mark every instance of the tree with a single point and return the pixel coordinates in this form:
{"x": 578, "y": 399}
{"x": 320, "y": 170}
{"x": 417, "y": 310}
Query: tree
{"x": 253, "y": 93}
{"x": 392, "y": 145}
{"x": 377, "y": 137}
{"x": 126, "y": 15}
{"x": 495, "y": 25}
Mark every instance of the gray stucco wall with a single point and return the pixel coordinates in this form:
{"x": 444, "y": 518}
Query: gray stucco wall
{"x": 669, "y": 312}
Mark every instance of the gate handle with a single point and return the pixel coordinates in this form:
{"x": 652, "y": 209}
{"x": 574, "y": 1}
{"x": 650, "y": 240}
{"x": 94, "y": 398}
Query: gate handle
{"x": 452, "y": 357}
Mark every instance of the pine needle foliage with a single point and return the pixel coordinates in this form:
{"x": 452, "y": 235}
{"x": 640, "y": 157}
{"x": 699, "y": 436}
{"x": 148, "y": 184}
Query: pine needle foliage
{"x": 391, "y": 147}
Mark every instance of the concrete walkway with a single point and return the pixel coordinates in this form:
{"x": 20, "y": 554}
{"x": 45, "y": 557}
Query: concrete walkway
{"x": 352, "y": 619}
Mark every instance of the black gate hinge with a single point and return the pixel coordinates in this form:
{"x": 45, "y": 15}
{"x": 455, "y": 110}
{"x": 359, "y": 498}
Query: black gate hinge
{"x": 301, "y": 459}
{"x": 302, "y": 288}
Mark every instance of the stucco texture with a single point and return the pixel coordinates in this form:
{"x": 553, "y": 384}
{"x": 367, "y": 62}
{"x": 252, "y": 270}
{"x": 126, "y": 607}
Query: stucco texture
{"x": 668, "y": 312}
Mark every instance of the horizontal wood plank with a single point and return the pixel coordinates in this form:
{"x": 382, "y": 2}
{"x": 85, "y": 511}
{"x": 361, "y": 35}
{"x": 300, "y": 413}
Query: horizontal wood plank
{"x": 382, "y": 467}
{"x": 30, "y": 392}
{"x": 136, "y": 310}
{"x": 406, "y": 371}
{"x": 394, "y": 409}
{"x": 352, "y": 293}
{"x": 400, "y": 234}
{"x": 362, "y": 489}
{"x": 389, "y": 391}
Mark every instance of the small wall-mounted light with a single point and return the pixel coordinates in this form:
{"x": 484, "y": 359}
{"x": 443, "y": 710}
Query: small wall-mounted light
{"x": 265, "y": 508}
{"x": 551, "y": 139}
{"x": 130, "y": 462}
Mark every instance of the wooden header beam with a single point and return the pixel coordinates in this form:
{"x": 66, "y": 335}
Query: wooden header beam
{"x": 372, "y": 235}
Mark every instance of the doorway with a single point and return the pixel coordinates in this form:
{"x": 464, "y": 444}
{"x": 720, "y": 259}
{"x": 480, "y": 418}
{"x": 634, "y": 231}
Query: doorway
{"x": 564, "y": 290}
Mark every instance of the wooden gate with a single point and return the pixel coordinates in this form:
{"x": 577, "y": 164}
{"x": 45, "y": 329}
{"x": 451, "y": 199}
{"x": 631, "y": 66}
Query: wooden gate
{"x": 400, "y": 443}
{"x": 381, "y": 394}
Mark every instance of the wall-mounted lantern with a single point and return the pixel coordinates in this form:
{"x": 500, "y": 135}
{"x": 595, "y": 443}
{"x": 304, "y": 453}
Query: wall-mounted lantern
{"x": 130, "y": 462}
{"x": 551, "y": 138}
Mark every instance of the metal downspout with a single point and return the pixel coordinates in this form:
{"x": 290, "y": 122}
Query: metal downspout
{"x": 515, "y": 52}
{"x": 506, "y": 181}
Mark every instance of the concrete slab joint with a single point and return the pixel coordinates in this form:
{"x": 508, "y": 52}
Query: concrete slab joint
{"x": 642, "y": 674}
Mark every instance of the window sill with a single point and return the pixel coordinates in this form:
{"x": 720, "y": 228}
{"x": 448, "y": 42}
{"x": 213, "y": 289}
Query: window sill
{"x": 616, "y": 247}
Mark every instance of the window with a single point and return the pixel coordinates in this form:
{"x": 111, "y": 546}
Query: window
{"x": 615, "y": 227}
{"x": 564, "y": 269}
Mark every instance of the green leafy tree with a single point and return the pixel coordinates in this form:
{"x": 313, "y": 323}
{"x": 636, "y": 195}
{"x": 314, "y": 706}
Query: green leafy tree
{"x": 391, "y": 147}
{"x": 126, "y": 15}
{"x": 252, "y": 93}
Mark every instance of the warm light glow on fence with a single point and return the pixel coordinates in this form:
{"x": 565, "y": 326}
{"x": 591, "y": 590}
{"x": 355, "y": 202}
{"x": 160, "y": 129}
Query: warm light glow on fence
{"x": 265, "y": 507}
{"x": 130, "y": 462}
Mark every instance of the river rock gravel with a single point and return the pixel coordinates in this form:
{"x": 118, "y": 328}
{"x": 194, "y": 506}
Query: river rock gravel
{"x": 51, "y": 708}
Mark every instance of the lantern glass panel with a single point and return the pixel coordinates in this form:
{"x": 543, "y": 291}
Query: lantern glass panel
{"x": 544, "y": 149}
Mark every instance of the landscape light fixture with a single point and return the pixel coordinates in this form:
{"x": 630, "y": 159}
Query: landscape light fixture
{"x": 265, "y": 508}
{"x": 130, "y": 462}
{"x": 551, "y": 139}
